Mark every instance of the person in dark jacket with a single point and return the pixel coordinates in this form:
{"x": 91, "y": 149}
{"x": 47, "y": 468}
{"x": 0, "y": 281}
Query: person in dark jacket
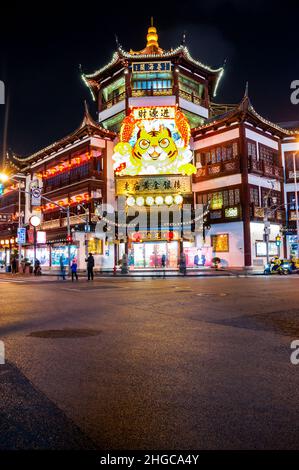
{"x": 74, "y": 268}
{"x": 90, "y": 266}
{"x": 14, "y": 265}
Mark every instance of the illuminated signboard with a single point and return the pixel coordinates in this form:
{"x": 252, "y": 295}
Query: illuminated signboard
{"x": 141, "y": 67}
{"x": 152, "y": 184}
{"x": 154, "y": 112}
{"x": 154, "y": 140}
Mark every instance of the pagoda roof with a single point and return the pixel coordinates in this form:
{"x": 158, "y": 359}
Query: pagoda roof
{"x": 88, "y": 127}
{"x": 152, "y": 51}
{"x": 241, "y": 112}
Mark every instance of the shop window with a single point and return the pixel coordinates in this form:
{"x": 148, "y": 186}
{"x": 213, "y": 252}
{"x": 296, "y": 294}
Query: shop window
{"x": 220, "y": 243}
{"x": 95, "y": 246}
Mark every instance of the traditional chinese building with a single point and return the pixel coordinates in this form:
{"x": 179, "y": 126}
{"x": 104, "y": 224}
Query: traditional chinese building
{"x": 153, "y": 98}
{"x": 161, "y": 142}
{"x": 70, "y": 173}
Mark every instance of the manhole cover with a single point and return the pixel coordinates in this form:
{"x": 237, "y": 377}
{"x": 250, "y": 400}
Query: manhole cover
{"x": 64, "y": 333}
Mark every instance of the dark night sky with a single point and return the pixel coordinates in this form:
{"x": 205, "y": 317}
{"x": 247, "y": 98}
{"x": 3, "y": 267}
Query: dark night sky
{"x": 42, "y": 46}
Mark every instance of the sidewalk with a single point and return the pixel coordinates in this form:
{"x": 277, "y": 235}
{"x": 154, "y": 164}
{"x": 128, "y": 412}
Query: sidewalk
{"x": 141, "y": 273}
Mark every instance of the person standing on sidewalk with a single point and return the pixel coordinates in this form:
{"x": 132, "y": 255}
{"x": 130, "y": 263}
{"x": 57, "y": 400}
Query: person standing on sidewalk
{"x": 183, "y": 268}
{"x": 74, "y": 268}
{"x": 90, "y": 266}
{"x": 14, "y": 265}
{"x": 62, "y": 268}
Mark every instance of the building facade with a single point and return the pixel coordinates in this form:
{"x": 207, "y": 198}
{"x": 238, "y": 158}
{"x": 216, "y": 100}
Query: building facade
{"x": 159, "y": 142}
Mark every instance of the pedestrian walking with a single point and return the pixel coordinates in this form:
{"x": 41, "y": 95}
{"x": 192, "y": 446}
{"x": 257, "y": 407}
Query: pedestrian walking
{"x": 74, "y": 268}
{"x": 90, "y": 266}
{"x": 163, "y": 260}
{"x": 62, "y": 267}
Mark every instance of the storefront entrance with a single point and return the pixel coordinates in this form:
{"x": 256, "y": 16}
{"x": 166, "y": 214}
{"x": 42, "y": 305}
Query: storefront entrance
{"x": 149, "y": 254}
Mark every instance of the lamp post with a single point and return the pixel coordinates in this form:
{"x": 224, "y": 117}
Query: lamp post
{"x": 34, "y": 222}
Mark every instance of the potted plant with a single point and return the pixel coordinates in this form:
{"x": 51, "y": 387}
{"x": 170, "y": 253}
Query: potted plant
{"x": 216, "y": 261}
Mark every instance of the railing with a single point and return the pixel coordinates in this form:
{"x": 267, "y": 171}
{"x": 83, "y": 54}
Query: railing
{"x": 192, "y": 97}
{"x": 116, "y": 99}
{"x": 230, "y": 213}
{"x": 259, "y": 213}
{"x": 263, "y": 168}
{"x": 217, "y": 169}
{"x": 152, "y": 92}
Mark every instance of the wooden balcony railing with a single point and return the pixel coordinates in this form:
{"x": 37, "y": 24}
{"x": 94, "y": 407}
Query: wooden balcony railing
{"x": 152, "y": 92}
{"x": 116, "y": 99}
{"x": 230, "y": 213}
{"x": 192, "y": 98}
{"x": 217, "y": 169}
{"x": 258, "y": 213}
{"x": 266, "y": 169}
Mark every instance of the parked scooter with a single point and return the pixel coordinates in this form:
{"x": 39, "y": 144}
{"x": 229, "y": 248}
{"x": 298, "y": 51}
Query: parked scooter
{"x": 277, "y": 266}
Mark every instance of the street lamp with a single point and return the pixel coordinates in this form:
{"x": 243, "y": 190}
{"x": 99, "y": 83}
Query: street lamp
{"x": 35, "y": 222}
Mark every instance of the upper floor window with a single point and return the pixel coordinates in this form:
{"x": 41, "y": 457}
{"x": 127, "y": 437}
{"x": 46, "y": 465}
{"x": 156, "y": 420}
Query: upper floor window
{"x": 219, "y": 199}
{"x": 218, "y": 154}
{"x": 268, "y": 155}
{"x": 151, "y": 81}
{"x": 190, "y": 86}
{"x": 254, "y": 196}
{"x": 251, "y": 149}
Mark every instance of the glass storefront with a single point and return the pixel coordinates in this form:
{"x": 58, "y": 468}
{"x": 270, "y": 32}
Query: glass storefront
{"x": 149, "y": 254}
{"x": 58, "y": 251}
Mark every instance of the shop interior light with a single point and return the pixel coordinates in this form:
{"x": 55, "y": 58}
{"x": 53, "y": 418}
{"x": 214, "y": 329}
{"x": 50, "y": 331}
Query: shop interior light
{"x": 130, "y": 201}
{"x": 159, "y": 200}
{"x": 140, "y": 201}
{"x": 178, "y": 199}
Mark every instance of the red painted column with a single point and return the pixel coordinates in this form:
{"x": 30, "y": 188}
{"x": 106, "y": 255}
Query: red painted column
{"x": 245, "y": 197}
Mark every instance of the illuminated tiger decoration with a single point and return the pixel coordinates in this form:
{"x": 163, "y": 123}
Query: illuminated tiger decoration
{"x": 151, "y": 147}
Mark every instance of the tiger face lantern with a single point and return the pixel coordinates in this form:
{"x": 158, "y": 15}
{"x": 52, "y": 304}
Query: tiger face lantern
{"x": 150, "y": 147}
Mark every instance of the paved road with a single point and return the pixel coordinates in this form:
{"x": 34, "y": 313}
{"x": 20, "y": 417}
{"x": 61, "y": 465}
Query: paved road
{"x": 174, "y": 363}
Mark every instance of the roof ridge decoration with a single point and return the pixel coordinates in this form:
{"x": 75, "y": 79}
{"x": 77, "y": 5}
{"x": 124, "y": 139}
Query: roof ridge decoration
{"x": 151, "y": 51}
{"x": 243, "y": 107}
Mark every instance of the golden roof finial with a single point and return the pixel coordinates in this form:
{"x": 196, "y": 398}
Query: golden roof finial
{"x": 152, "y": 36}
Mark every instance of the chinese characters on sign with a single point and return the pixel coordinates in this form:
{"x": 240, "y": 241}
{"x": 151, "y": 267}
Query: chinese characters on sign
{"x": 140, "y": 67}
{"x": 150, "y": 184}
{"x": 154, "y": 112}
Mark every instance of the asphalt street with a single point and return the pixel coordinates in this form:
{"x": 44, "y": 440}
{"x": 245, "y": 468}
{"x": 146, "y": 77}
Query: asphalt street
{"x": 149, "y": 364}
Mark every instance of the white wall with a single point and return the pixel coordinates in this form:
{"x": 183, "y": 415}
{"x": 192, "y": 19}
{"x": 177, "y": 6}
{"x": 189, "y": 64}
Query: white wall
{"x": 261, "y": 139}
{"x": 256, "y": 234}
{"x": 235, "y": 256}
{"x": 216, "y": 139}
